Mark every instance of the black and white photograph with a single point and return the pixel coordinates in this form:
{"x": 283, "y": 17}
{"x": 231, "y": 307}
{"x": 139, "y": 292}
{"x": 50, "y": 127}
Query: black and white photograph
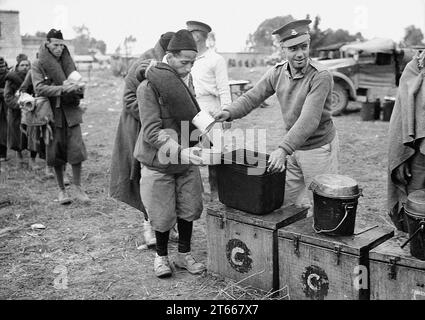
{"x": 215, "y": 157}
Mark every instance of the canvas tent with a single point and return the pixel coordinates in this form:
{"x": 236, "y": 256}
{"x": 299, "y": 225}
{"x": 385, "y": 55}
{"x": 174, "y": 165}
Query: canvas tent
{"x": 377, "y": 45}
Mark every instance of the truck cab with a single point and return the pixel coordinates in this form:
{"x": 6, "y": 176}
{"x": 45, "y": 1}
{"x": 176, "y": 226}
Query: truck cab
{"x": 363, "y": 66}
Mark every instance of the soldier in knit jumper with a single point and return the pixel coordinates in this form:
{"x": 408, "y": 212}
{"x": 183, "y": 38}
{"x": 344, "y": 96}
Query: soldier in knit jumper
{"x": 303, "y": 88}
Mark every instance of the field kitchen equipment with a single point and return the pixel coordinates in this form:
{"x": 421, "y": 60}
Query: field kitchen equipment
{"x": 318, "y": 267}
{"x": 370, "y": 111}
{"x": 415, "y": 215}
{"x": 245, "y": 184}
{"x": 243, "y": 246}
{"x": 394, "y": 273}
{"x": 335, "y": 204}
{"x": 387, "y": 108}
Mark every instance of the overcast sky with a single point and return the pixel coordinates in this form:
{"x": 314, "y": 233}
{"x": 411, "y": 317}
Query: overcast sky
{"x": 231, "y": 20}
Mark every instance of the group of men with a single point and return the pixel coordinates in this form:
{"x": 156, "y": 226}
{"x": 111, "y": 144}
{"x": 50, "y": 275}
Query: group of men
{"x": 60, "y": 140}
{"x": 165, "y": 89}
{"x": 14, "y": 134}
{"x": 168, "y": 85}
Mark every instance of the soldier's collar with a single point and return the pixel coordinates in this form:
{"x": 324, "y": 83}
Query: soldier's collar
{"x": 299, "y": 74}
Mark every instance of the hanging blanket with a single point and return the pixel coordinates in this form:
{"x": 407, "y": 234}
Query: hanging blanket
{"x": 407, "y": 129}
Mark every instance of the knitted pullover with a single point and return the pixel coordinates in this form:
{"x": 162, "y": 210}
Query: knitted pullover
{"x": 305, "y": 101}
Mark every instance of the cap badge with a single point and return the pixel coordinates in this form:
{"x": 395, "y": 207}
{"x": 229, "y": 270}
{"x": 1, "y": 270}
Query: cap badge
{"x": 293, "y": 32}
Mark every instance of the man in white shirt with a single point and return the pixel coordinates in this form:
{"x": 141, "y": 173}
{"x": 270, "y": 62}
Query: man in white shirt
{"x": 211, "y": 83}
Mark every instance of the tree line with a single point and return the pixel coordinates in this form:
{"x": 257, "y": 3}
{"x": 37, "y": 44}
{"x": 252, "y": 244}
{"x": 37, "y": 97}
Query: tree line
{"x": 263, "y": 41}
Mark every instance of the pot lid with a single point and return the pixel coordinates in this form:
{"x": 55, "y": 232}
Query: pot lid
{"x": 335, "y": 185}
{"x": 415, "y": 204}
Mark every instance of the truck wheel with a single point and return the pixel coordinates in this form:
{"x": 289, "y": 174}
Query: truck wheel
{"x": 339, "y": 99}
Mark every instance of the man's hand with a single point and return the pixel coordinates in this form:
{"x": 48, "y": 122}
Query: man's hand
{"x": 402, "y": 173}
{"x": 222, "y": 116}
{"x": 191, "y": 156}
{"x": 277, "y": 161}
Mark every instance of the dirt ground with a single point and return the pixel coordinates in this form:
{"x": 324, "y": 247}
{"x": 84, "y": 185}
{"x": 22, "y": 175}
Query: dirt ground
{"x": 91, "y": 251}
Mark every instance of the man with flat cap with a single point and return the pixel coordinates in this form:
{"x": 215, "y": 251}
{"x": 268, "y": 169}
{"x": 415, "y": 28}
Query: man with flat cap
{"x": 50, "y": 77}
{"x": 303, "y": 88}
{"x": 211, "y": 84}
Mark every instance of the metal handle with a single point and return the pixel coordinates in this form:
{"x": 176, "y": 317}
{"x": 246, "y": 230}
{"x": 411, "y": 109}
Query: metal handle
{"x": 346, "y": 207}
{"x": 421, "y": 228}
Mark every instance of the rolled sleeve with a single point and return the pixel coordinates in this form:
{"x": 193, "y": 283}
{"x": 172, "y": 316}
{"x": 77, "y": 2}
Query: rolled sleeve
{"x": 222, "y": 83}
{"x": 255, "y": 96}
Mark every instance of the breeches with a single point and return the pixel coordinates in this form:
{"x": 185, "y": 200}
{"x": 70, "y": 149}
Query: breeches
{"x": 168, "y": 196}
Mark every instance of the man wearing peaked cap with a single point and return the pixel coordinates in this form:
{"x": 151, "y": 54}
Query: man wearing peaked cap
{"x": 304, "y": 90}
{"x": 293, "y": 33}
{"x": 211, "y": 83}
{"x": 198, "y": 26}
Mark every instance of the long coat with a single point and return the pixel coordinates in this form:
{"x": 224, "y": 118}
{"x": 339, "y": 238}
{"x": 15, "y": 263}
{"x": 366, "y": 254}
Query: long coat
{"x": 3, "y": 112}
{"x": 16, "y": 138}
{"x": 125, "y": 169}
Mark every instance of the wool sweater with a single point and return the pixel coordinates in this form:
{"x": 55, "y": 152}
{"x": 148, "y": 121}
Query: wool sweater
{"x": 305, "y": 101}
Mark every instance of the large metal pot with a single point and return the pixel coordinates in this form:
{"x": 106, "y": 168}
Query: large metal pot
{"x": 335, "y": 186}
{"x": 415, "y": 205}
{"x": 335, "y": 204}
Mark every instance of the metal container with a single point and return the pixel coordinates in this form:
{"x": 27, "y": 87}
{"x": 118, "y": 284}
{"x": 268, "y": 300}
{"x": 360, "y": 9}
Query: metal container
{"x": 335, "y": 204}
{"x": 415, "y": 213}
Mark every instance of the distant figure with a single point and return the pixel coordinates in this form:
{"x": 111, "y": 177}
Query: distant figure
{"x": 51, "y": 78}
{"x": 35, "y": 135}
{"x": 3, "y": 111}
{"x": 16, "y": 133}
{"x": 211, "y": 84}
{"x": 406, "y": 156}
{"x": 125, "y": 169}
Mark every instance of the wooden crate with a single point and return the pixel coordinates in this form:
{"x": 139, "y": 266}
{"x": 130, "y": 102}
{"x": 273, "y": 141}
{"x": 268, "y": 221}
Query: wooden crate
{"x": 243, "y": 247}
{"x": 394, "y": 273}
{"x": 319, "y": 267}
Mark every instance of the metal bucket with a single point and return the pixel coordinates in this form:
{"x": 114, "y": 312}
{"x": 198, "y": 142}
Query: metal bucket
{"x": 370, "y": 111}
{"x": 415, "y": 214}
{"x": 335, "y": 204}
{"x": 387, "y": 108}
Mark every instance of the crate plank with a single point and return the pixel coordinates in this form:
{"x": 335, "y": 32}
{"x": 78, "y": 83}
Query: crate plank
{"x": 319, "y": 267}
{"x": 243, "y": 247}
{"x": 349, "y": 244}
{"x": 274, "y": 220}
{"x": 394, "y": 273}
{"x": 316, "y": 273}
